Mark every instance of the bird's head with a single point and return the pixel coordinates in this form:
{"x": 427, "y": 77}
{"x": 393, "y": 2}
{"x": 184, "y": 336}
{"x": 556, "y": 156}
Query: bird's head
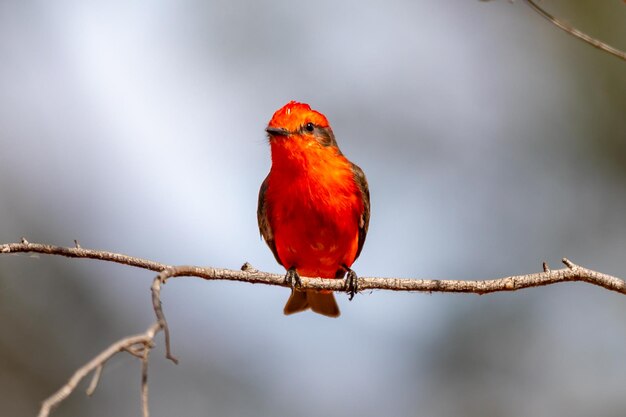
{"x": 298, "y": 120}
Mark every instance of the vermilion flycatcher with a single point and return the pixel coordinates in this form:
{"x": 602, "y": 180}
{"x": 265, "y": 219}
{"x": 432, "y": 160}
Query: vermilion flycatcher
{"x": 314, "y": 206}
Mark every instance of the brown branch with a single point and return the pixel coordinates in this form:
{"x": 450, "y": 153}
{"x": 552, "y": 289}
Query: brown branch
{"x": 140, "y": 345}
{"x": 128, "y": 344}
{"x": 144, "y": 382}
{"x": 78, "y": 252}
{"x": 248, "y": 274}
{"x": 577, "y": 33}
{"x": 96, "y": 365}
{"x": 158, "y": 309}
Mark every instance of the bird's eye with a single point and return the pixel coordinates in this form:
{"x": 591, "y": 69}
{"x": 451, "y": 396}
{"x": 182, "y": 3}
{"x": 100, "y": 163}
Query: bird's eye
{"x": 309, "y": 127}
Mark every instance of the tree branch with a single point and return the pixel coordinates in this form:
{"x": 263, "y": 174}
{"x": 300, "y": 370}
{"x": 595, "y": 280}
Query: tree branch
{"x": 248, "y": 274}
{"x": 140, "y": 345}
{"x": 96, "y": 365}
{"x": 577, "y": 33}
{"x": 78, "y": 252}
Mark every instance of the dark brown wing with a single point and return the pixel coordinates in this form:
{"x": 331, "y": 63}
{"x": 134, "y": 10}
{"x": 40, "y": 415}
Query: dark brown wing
{"x": 364, "y": 221}
{"x": 264, "y": 223}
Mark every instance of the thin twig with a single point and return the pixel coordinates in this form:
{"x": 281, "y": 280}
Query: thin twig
{"x": 94, "y": 380}
{"x": 158, "y": 309}
{"x": 136, "y": 352}
{"x": 55, "y": 399}
{"x": 144, "y": 382}
{"x": 577, "y": 33}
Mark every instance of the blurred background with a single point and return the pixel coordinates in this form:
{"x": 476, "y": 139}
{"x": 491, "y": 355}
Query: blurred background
{"x": 492, "y": 141}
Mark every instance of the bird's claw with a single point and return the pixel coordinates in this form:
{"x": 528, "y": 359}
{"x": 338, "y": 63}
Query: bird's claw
{"x": 352, "y": 284}
{"x": 293, "y": 278}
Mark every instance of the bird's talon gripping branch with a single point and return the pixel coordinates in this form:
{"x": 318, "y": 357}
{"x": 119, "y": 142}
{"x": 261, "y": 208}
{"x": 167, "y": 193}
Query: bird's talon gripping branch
{"x": 352, "y": 283}
{"x": 293, "y": 278}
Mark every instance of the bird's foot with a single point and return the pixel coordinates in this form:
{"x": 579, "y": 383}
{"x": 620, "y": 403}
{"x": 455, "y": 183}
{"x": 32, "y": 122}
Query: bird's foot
{"x": 352, "y": 283}
{"x": 293, "y": 278}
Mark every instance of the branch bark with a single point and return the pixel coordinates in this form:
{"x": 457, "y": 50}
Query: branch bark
{"x": 577, "y": 33}
{"x": 571, "y": 272}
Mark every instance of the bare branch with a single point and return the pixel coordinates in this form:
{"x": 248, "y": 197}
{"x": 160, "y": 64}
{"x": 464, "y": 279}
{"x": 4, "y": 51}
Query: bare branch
{"x": 78, "y": 252}
{"x": 138, "y": 345}
{"x": 96, "y": 364}
{"x": 141, "y": 344}
{"x": 577, "y": 33}
{"x": 249, "y": 274}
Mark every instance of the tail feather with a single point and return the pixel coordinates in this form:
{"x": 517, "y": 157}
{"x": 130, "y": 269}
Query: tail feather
{"x": 296, "y": 303}
{"x": 320, "y": 302}
{"x": 323, "y": 303}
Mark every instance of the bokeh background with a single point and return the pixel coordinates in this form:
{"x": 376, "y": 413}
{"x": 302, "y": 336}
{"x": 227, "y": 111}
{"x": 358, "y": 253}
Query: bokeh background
{"x": 492, "y": 141}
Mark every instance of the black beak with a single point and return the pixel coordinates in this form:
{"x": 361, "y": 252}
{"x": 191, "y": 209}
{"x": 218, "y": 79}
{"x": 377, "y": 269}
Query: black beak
{"x": 277, "y": 131}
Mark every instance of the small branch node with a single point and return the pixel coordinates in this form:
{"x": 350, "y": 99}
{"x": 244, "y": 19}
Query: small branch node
{"x": 138, "y": 353}
{"x": 510, "y": 284}
{"x": 165, "y": 275}
{"x": 246, "y": 267}
{"x": 546, "y": 267}
{"x": 569, "y": 264}
{"x": 24, "y": 241}
{"x": 76, "y": 244}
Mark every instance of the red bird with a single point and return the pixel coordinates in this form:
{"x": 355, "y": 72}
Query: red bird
{"x": 314, "y": 206}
